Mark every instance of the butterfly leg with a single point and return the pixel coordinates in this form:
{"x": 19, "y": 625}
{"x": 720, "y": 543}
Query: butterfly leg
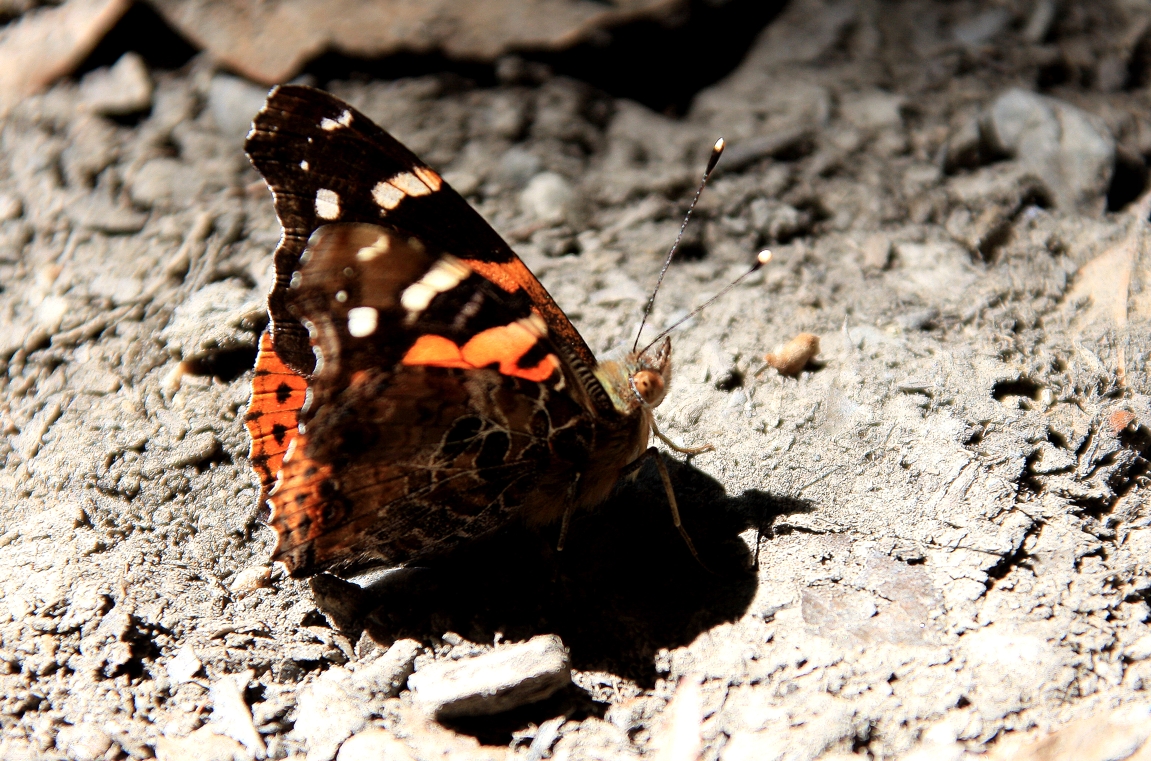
{"x": 676, "y": 447}
{"x": 654, "y": 454}
{"x": 567, "y": 515}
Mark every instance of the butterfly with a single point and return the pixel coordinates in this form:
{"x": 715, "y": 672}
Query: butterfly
{"x": 417, "y": 386}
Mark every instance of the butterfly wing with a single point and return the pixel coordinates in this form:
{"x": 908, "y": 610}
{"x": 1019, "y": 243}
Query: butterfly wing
{"x": 445, "y": 390}
{"x": 440, "y": 407}
{"x": 326, "y": 162}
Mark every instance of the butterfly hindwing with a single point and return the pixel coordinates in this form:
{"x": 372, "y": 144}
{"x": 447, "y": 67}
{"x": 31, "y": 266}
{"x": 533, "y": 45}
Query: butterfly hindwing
{"x": 438, "y": 404}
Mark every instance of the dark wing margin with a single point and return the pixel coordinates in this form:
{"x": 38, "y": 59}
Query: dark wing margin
{"x": 326, "y": 162}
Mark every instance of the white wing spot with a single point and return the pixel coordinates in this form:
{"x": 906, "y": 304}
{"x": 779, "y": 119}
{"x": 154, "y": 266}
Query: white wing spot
{"x": 362, "y": 321}
{"x": 341, "y": 296}
{"x": 305, "y": 165}
{"x": 410, "y": 184}
{"x": 379, "y": 248}
{"x": 387, "y": 196}
{"x": 327, "y": 204}
{"x": 343, "y": 120}
{"x": 444, "y": 275}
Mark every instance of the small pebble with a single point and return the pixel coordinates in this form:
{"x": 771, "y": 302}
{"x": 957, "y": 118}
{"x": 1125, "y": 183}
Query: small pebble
{"x": 497, "y": 681}
{"x": 251, "y": 579}
{"x": 123, "y": 89}
{"x": 548, "y": 198}
{"x": 790, "y": 358}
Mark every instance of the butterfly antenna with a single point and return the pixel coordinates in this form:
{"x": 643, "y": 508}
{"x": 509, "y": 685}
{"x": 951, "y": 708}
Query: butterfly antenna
{"x": 716, "y": 152}
{"x": 762, "y": 258}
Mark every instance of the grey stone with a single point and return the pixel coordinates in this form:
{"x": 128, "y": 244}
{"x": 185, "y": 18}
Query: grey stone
{"x": 517, "y": 167}
{"x": 549, "y": 198}
{"x": 11, "y": 207}
{"x": 124, "y": 88}
{"x": 873, "y": 110}
{"x": 1139, "y": 650}
{"x": 164, "y": 181}
{"x": 500, "y": 680}
{"x": 1051, "y": 459}
{"x": 622, "y": 289}
{"x": 221, "y": 316}
{"x": 233, "y": 102}
{"x": 982, "y": 27}
{"x": 1070, "y": 150}
{"x": 101, "y": 214}
{"x": 205, "y": 744}
{"x": 387, "y": 675}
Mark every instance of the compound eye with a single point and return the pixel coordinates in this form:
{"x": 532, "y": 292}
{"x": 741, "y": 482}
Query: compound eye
{"x": 650, "y": 387}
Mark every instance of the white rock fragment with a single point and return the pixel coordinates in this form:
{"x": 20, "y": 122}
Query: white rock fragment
{"x": 500, "y": 680}
{"x": 230, "y": 712}
{"x": 388, "y": 674}
{"x": 1139, "y": 650}
{"x": 184, "y": 666}
{"x": 233, "y": 102}
{"x": 329, "y": 711}
{"x": 339, "y": 703}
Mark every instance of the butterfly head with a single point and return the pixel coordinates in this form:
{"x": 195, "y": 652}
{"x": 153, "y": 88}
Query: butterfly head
{"x": 651, "y": 374}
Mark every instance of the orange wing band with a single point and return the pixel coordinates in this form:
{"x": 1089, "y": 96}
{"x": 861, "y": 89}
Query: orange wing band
{"x": 273, "y": 414}
{"x": 502, "y": 347}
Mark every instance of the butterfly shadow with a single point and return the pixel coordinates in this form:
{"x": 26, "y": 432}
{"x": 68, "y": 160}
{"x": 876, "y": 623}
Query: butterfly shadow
{"x": 624, "y": 588}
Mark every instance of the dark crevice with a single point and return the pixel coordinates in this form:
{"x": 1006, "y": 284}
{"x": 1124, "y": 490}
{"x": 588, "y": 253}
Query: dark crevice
{"x": 1128, "y": 179}
{"x": 1016, "y": 559}
{"x": 142, "y": 30}
{"x": 661, "y": 64}
{"x": 731, "y": 381}
{"x": 1021, "y": 387}
{"x": 224, "y": 366}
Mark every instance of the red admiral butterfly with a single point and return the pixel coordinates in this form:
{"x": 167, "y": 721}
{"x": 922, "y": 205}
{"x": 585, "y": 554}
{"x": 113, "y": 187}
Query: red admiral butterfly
{"x": 417, "y": 385}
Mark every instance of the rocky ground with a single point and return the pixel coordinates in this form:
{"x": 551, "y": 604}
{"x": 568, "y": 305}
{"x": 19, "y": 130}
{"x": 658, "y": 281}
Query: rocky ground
{"x": 933, "y": 542}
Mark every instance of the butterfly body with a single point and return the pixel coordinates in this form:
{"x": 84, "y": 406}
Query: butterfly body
{"x": 417, "y": 386}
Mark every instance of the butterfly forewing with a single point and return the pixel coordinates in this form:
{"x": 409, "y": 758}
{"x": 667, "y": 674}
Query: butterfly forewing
{"x": 326, "y": 162}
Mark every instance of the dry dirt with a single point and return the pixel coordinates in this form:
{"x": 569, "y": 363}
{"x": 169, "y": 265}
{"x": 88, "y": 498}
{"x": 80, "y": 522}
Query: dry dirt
{"x": 936, "y": 537}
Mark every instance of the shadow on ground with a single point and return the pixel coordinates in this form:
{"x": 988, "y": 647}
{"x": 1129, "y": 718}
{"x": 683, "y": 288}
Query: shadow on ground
{"x": 624, "y": 587}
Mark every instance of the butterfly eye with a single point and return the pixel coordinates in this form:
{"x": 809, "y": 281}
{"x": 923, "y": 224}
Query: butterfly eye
{"x": 649, "y": 386}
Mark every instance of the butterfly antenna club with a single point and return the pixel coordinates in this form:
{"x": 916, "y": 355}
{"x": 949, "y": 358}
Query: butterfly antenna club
{"x": 716, "y": 152}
